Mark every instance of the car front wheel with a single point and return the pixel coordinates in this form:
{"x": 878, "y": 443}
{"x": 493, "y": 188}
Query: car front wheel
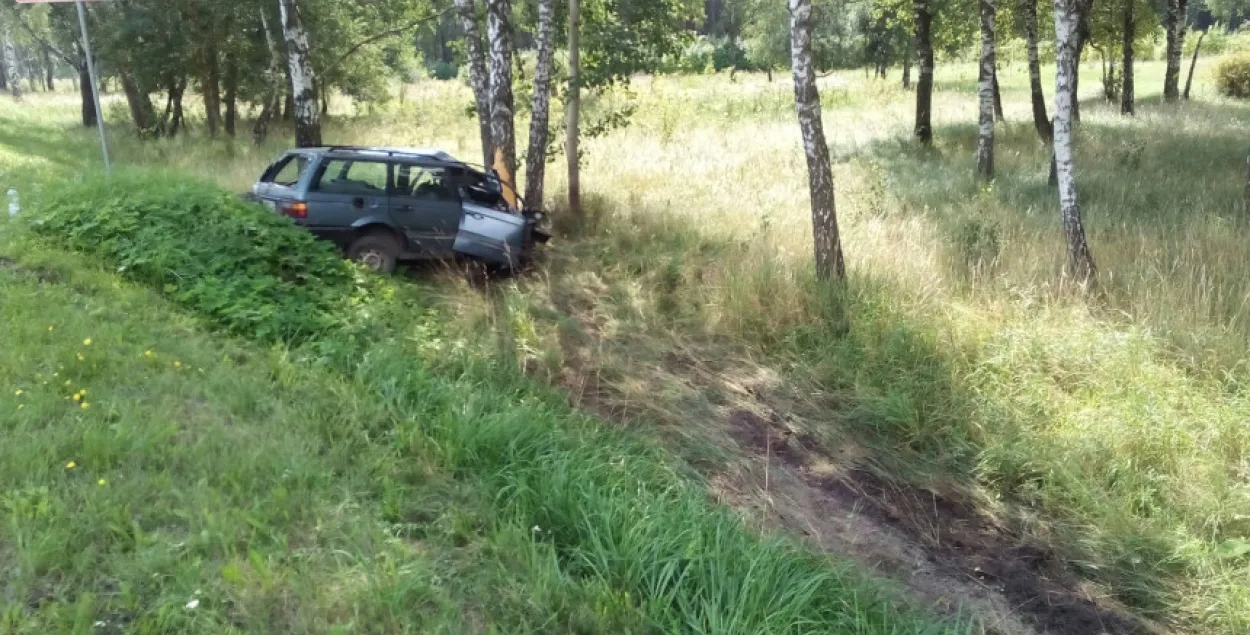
{"x": 378, "y": 252}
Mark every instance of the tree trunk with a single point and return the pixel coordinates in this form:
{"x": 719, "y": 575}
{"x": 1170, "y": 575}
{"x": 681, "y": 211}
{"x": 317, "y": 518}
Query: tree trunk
{"x": 10, "y": 62}
{"x": 288, "y": 99}
{"x": 273, "y": 83}
{"x": 1066, "y": 24}
{"x": 1130, "y": 29}
{"x": 1175, "y": 25}
{"x": 89, "y": 115}
{"x": 4, "y": 70}
{"x": 828, "y": 247}
{"x": 142, "y": 113}
{"x": 303, "y": 80}
{"x": 985, "y": 82}
{"x": 1083, "y": 31}
{"x": 906, "y": 70}
{"x": 49, "y": 71}
{"x": 1189, "y": 81}
{"x": 177, "y": 89}
{"x": 478, "y": 79}
{"x": 924, "y": 59}
{"x": 210, "y": 87}
{"x": 998, "y": 95}
{"x": 574, "y": 110}
{"x": 502, "y": 113}
{"x": 232, "y": 94}
{"x": 1040, "y": 121}
{"x": 536, "y": 156}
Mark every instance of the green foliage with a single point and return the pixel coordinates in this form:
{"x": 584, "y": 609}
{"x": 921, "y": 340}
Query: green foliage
{"x": 243, "y": 267}
{"x": 1232, "y": 76}
{"x": 438, "y": 69}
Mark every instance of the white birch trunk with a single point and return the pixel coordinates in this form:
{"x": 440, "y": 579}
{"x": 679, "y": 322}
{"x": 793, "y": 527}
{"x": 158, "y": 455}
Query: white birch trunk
{"x": 536, "y": 155}
{"x": 303, "y": 80}
{"x": 478, "y": 79}
{"x": 828, "y": 248}
{"x": 1175, "y": 25}
{"x": 985, "y": 92}
{"x": 502, "y": 110}
{"x": 1066, "y": 18}
{"x": 14, "y": 77}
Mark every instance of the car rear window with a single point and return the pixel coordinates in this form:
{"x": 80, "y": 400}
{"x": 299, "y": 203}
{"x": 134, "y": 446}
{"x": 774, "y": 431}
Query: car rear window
{"x": 288, "y": 170}
{"x": 349, "y": 176}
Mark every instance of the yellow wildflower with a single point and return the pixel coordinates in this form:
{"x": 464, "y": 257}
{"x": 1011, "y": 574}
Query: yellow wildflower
{"x": 51, "y": 328}
{"x": 86, "y": 342}
{"x": 18, "y": 393}
{"x": 68, "y": 382}
{"x": 83, "y": 391}
{"x": 81, "y": 358}
{"x": 148, "y": 353}
{"x": 71, "y": 465}
{"x": 101, "y": 482}
{"x": 177, "y": 364}
{"x": 85, "y": 405}
{"x": 77, "y": 396}
{"x": 20, "y": 406}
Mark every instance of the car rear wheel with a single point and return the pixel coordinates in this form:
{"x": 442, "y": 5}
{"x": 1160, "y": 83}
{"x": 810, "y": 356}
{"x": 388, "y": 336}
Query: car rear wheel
{"x": 376, "y": 251}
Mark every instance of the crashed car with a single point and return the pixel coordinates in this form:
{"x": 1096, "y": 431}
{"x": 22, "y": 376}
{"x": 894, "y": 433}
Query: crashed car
{"x": 383, "y": 206}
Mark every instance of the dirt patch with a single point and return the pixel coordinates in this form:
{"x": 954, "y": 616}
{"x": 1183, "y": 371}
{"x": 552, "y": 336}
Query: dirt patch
{"x": 43, "y": 276}
{"x": 939, "y": 543}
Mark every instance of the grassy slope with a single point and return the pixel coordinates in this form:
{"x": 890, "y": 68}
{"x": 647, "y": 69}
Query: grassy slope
{"x": 160, "y": 479}
{"x": 1119, "y": 424}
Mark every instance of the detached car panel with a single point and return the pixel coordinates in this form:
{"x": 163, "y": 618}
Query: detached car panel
{"x": 383, "y": 205}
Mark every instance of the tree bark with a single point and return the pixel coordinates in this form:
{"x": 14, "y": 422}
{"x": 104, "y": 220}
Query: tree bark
{"x": 1189, "y": 81}
{"x": 574, "y": 110}
{"x": 906, "y": 70}
{"x": 828, "y": 247}
{"x": 231, "y": 94}
{"x": 142, "y": 113}
{"x": 303, "y": 80}
{"x": 177, "y": 89}
{"x": 923, "y": 16}
{"x": 89, "y": 116}
{"x": 1040, "y": 121}
{"x": 273, "y": 84}
{"x": 478, "y": 79}
{"x": 1066, "y": 24}
{"x": 1175, "y": 25}
{"x": 49, "y": 77}
{"x": 998, "y": 95}
{"x": 1130, "y": 30}
{"x": 502, "y": 109}
{"x": 536, "y": 155}
{"x": 985, "y": 119}
{"x": 1083, "y": 31}
{"x": 12, "y": 74}
{"x": 210, "y": 87}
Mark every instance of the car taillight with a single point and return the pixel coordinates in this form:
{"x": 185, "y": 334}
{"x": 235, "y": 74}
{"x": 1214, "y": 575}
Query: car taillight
{"x": 298, "y": 209}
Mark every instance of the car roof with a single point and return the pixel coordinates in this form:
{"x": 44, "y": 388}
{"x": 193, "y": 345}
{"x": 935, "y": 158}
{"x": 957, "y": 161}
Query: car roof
{"x": 394, "y": 152}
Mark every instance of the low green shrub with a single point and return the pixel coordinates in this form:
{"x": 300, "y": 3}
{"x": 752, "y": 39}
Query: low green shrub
{"x": 1232, "y": 76}
{"x": 243, "y": 267}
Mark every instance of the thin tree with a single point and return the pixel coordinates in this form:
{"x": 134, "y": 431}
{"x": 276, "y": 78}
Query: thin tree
{"x": 1040, "y": 121}
{"x": 303, "y": 79}
{"x": 1067, "y": 18}
{"x": 478, "y": 79}
{"x": 502, "y": 112}
{"x": 1189, "y": 81}
{"x": 828, "y": 247}
{"x": 1130, "y": 30}
{"x": 922, "y": 14}
{"x": 573, "y": 109}
{"x": 270, "y": 103}
{"x": 12, "y": 73}
{"x": 1175, "y": 25}
{"x": 998, "y": 97}
{"x": 985, "y": 119}
{"x": 536, "y": 155}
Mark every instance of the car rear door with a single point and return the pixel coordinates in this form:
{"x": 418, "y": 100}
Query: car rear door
{"x": 343, "y": 190}
{"x": 425, "y": 203}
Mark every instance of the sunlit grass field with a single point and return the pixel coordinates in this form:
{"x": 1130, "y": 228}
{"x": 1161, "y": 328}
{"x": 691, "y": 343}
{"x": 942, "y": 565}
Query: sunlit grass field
{"x": 1117, "y": 418}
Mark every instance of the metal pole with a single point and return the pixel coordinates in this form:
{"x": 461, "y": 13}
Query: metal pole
{"x": 95, "y": 84}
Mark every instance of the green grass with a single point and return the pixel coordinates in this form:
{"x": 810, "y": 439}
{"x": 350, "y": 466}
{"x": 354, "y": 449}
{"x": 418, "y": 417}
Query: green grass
{"x": 160, "y": 478}
{"x": 1112, "y": 427}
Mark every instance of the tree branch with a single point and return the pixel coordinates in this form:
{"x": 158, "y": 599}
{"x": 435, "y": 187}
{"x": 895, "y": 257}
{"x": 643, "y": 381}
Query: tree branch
{"x": 382, "y": 36}
{"x": 72, "y": 61}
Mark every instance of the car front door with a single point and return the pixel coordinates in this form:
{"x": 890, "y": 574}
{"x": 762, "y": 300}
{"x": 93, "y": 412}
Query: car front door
{"x": 424, "y": 201}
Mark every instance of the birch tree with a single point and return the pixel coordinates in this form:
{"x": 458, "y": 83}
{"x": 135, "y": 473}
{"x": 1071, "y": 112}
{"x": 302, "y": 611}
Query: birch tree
{"x": 827, "y": 245}
{"x": 13, "y": 77}
{"x": 303, "y": 80}
{"x": 985, "y": 119}
{"x": 1067, "y": 16}
{"x": 478, "y": 79}
{"x": 273, "y": 83}
{"x": 502, "y": 113}
{"x": 922, "y": 14}
{"x": 1130, "y": 32}
{"x": 573, "y": 108}
{"x": 1175, "y": 26}
{"x": 1041, "y": 122}
{"x": 536, "y": 155}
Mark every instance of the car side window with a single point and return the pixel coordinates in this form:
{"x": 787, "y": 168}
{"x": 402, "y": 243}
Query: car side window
{"x": 288, "y": 170}
{"x": 424, "y": 182}
{"x": 350, "y": 176}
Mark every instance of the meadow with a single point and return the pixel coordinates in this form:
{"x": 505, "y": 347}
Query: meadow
{"x": 1108, "y": 424}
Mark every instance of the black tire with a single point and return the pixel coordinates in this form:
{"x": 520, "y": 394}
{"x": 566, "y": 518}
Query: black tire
{"x": 377, "y": 251}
